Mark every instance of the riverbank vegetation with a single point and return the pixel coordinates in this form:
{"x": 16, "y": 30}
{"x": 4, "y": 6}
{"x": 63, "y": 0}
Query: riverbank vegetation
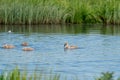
{"x": 59, "y": 11}
{"x": 16, "y": 74}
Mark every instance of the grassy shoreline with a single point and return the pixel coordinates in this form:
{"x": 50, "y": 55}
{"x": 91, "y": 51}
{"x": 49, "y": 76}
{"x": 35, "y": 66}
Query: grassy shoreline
{"x": 16, "y": 74}
{"x": 59, "y": 11}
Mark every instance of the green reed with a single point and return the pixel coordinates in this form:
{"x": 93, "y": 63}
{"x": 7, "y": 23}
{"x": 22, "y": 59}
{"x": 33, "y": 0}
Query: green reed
{"x": 16, "y": 74}
{"x": 59, "y": 11}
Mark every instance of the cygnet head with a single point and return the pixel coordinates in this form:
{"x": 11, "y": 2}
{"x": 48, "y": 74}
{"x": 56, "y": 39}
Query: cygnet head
{"x": 24, "y": 44}
{"x": 66, "y": 43}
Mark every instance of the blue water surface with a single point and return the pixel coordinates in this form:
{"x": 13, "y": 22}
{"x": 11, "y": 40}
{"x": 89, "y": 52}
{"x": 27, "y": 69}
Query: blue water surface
{"x": 97, "y": 53}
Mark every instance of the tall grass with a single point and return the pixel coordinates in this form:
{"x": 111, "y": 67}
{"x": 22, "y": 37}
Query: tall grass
{"x": 59, "y": 11}
{"x": 16, "y": 74}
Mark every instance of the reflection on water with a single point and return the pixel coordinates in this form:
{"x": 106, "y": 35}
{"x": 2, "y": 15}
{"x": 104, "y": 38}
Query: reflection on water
{"x": 66, "y": 29}
{"x": 99, "y": 49}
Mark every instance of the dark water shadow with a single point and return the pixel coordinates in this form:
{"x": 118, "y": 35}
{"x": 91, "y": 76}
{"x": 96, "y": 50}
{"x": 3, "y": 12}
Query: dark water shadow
{"x": 62, "y": 29}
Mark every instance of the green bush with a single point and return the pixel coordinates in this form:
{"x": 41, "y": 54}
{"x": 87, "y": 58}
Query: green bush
{"x": 106, "y": 76}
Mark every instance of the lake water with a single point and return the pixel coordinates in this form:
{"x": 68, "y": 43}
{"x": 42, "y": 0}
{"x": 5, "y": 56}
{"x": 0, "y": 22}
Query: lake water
{"x": 99, "y": 49}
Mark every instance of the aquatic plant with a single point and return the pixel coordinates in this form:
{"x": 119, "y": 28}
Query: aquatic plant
{"x": 16, "y": 74}
{"x": 106, "y": 76}
{"x": 59, "y": 11}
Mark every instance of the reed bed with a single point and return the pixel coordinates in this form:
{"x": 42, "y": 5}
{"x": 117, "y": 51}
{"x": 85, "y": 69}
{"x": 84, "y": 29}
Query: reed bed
{"x": 59, "y": 11}
{"x": 16, "y": 74}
